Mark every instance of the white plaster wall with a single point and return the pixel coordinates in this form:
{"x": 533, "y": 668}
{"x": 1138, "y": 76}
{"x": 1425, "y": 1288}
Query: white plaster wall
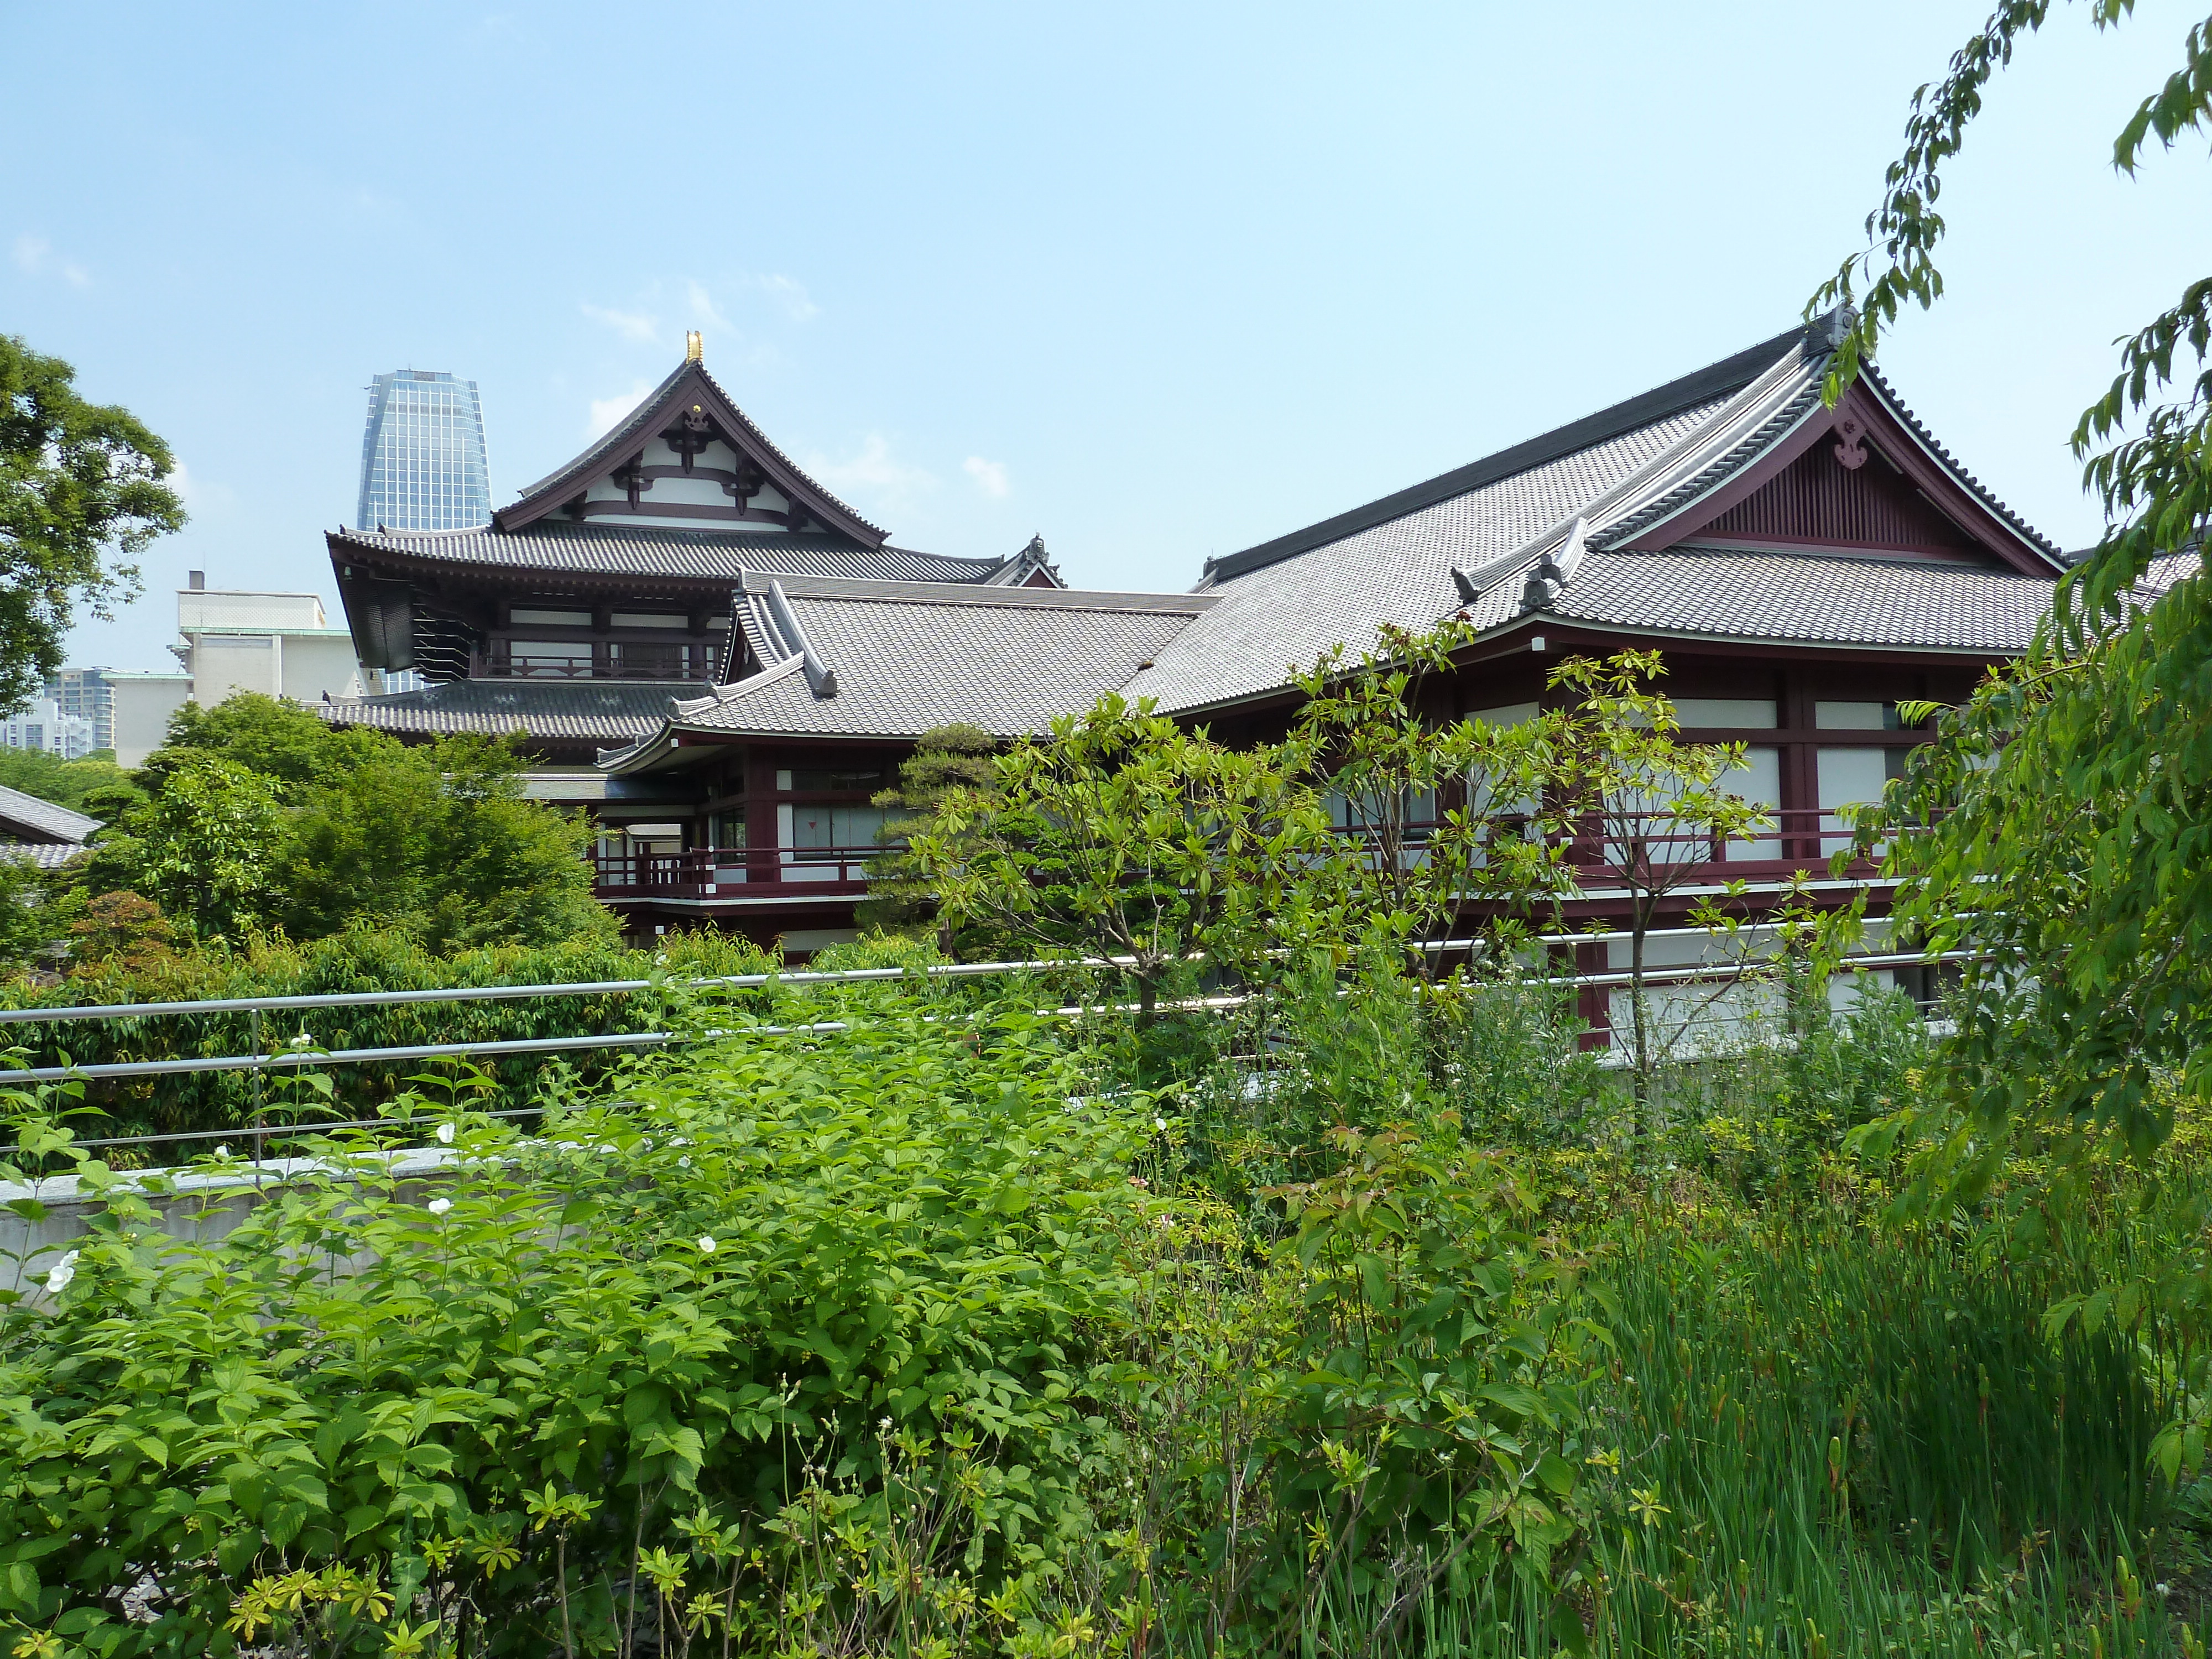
{"x": 315, "y": 664}
{"x": 225, "y": 664}
{"x": 202, "y": 1206}
{"x": 144, "y": 703}
{"x": 235, "y": 609}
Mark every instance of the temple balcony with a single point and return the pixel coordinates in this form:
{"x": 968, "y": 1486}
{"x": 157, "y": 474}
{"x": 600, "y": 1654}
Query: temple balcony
{"x": 734, "y": 873}
{"x": 1792, "y": 840}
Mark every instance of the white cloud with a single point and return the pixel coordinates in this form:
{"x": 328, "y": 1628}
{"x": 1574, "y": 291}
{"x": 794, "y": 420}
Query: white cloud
{"x": 790, "y": 294}
{"x": 630, "y": 324}
{"x": 607, "y": 413}
{"x": 34, "y": 255}
{"x": 704, "y": 310}
{"x": 197, "y": 493}
{"x": 873, "y": 470}
{"x": 990, "y": 477}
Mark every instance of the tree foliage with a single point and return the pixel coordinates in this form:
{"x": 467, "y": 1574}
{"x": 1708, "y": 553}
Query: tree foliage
{"x": 258, "y": 814}
{"x": 71, "y": 783}
{"x": 1124, "y": 835}
{"x": 945, "y": 758}
{"x": 1376, "y": 830}
{"x": 1649, "y": 812}
{"x": 2062, "y": 822}
{"x": 83, "y": 492}
{"x": 1437, "y": 818}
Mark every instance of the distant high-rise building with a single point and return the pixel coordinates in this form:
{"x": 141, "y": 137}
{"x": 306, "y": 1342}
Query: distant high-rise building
{"x": 422, "y": 462}
{"x": 84, "y": 694}
{"x": 43, "y": 726}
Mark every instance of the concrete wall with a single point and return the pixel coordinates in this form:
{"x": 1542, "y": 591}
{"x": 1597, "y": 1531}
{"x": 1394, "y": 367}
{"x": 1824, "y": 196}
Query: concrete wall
{"x": 234, "y": 610}
{"x": 143, "y": 705}
{"x": 314, "y": 664}
{"x": 199, "y": 1206}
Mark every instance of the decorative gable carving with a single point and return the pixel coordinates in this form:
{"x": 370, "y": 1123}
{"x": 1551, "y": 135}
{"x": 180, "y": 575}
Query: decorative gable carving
{"x": 1843, "y": 495}
{"x": 689, "y": 456}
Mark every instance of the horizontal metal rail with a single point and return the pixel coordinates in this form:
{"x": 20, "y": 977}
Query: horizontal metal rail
{"x": 727, "y": 982}
{"x": 279, "y": 1131}
{"x": 295, "y": 1058}
{"x": 516, "y": 993}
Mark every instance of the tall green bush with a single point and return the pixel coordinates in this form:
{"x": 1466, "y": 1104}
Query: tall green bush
{"x": 364, "y": 959}
{"x": 783, "y": 1259}
{"x": 258, "y": 815}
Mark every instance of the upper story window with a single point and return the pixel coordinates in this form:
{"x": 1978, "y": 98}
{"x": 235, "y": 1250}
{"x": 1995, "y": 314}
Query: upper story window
{"x": 1857, "y": 717}
{"x": 600, "y": 658}
{"x": 826, "y": 780}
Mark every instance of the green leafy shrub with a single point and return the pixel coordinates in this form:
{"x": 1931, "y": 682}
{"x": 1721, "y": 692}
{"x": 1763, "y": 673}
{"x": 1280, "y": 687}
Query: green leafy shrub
{"x": 128, "y": 960}
{"x": 783, "y": 1258}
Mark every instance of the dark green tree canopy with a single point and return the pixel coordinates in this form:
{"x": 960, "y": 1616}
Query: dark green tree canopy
{"x": 82, "y": 494}
{"x": 2070, "y": 798}
{"x": 256, "y": 814}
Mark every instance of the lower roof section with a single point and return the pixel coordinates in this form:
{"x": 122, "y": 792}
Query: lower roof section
{"x": 597, "y": 712}
{"x": 893, "y": 660}
{"x": 556, "y": 549}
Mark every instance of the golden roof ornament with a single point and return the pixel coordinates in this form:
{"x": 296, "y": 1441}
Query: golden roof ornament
{"x": 695, "y": 349}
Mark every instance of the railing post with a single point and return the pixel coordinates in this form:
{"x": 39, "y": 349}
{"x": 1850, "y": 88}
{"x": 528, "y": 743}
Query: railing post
{"x": 253, "y": 1027}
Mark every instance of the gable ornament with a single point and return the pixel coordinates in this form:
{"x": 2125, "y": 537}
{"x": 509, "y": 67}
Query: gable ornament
{"x": 1851, "y": 451}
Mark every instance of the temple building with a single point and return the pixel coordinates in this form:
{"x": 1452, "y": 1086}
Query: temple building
{"x": 611, "y": 591}
{"x": 725, "y": 661}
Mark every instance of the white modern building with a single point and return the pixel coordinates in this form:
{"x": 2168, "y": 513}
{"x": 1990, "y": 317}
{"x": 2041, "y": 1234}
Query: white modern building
{"x": 45, "y": 726}
{"x": 232, "y": 640}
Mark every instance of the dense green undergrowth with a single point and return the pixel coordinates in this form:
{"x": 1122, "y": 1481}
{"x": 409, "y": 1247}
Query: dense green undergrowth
{"x": 1379, "y": 1323}
{"x": 359, "y": 960}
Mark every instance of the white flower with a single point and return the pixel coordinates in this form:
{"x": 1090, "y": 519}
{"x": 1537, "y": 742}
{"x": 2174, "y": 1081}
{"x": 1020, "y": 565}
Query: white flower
{"x": 1160, "y": 1124}
{"x": 706, "y": 1243}
{"x": 223, "y": 1150}
{"x": 685, "y": 1161}
{"x": 58, "y": 1276}
{"x": 885, "y": 1423}
{"x": 305, "y": 1040}
{"x": 660, "y": 959}
{"x": 439, "y": 1205}
{"x": 445, "y": 1134}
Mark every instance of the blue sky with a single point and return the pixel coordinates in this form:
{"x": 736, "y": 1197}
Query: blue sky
{"x": 1156, "y": 280}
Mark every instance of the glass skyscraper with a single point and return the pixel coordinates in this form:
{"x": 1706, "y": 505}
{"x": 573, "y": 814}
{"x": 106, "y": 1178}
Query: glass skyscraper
{"x": 422, "y": 459}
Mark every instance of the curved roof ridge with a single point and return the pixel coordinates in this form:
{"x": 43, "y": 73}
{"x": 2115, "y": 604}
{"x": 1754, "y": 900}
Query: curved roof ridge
{"x": 1762, "y": 410}
{"x": 1988, "y": 497}
{"x": 1715, "y": 382}
{"x": 637, "y": 427}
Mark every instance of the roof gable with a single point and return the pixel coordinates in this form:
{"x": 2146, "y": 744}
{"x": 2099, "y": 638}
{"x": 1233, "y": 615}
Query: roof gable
{"x": 1823, "y": 499}
{"x": 1862, "y": 475}
{"x": 689, "y": 456}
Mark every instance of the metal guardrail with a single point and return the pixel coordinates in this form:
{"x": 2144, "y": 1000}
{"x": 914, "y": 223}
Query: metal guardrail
{"x": 290, "y": 1058}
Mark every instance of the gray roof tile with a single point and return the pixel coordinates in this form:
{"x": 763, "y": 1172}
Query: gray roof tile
{"x": 590, "y": 711}
{"x": 42, "y": 855}
{"x": 644, "y": 550}
{"x": 1810, "y": 598}
{"x": 1285, "y": 614}
{"x": 27, "y": 818}
{"x": 909, "y": 656}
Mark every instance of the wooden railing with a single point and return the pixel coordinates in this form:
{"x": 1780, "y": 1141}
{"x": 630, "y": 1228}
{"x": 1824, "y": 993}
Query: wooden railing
{"x": 1793, "y": 839}
{"x": 733, "y": 872}
{"x": 636, "y": 662}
